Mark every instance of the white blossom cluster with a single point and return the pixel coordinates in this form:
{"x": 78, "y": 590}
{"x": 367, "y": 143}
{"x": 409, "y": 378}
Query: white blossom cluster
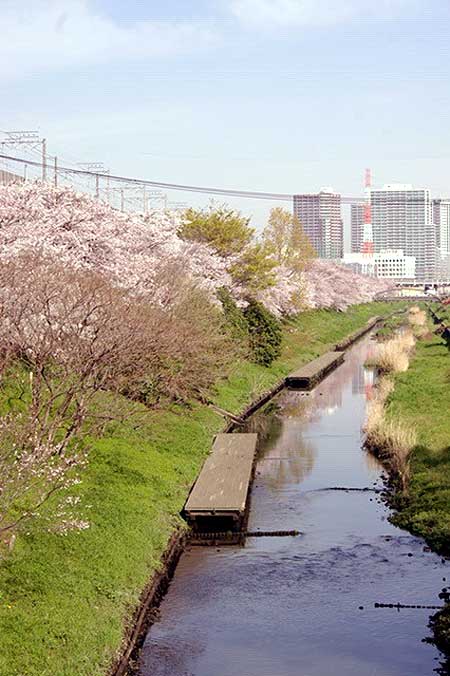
{"x": 329, "y": 284}
{"x": 323, "y": 284}
{"x": 82, "y": 232}
{"x": 130, "y": 249}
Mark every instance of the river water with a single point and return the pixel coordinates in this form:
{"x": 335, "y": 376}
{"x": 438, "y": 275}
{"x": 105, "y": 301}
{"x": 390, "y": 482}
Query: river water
{"x": 304, "y": 606}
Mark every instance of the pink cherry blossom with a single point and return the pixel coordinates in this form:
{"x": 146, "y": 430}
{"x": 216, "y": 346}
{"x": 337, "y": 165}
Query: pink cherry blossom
{"x": 130, "y": 249}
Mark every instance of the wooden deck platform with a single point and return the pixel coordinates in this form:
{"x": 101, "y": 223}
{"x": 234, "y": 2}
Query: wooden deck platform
{"x": 310, "y": 374}
{"x": 218, "y": 500}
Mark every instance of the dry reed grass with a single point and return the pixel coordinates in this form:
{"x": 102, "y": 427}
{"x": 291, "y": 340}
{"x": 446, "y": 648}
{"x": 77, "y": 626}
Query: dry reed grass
{"x": 422, "y": 332}
{"x": 417, "y": 317}
{"x": 390, "y": 440}
{"x": 375, "y": 409}
{"x": 393, "y": 355}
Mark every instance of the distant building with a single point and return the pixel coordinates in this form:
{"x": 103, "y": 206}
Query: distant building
{"x": 360, "y": 263}
{"x": 443, "y": 271}
{"x": 7, "y": 177}
{"x": 321, "y": 218}
{"x": 441, "y": 219}
{"x": 402, "y": 219}
{"x": 357, "y": 227}
{"x": 393, "y": 264}
{"x": 386, "y": 264}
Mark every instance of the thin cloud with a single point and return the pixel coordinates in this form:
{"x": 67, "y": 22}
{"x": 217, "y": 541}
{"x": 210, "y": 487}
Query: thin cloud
{"x": 298, "y": 13}
{"x": 40, "y": 35}
{"x": 60, "y": 35}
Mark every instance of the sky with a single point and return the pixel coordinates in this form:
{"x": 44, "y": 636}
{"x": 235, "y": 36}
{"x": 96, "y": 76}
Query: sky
{"x": 271, "y": 95}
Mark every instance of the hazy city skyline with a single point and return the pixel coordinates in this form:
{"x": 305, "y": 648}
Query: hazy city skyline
{"x": 238, "y": 93}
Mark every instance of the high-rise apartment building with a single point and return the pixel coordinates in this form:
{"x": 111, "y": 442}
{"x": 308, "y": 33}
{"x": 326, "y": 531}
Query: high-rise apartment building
{"x": 402, "y": 219}
{"x": 441, "y": 219}
{"x": 357, "y": 227}
{"x": 321, "y": 218}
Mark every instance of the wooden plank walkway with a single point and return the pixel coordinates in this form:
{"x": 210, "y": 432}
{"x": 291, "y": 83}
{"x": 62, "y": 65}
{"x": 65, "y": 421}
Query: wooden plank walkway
{"x": 221, "y": 490}
{"x": 310, "y": 374}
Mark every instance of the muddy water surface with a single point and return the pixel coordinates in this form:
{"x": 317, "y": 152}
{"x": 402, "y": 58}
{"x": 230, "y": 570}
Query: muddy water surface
{"x": 304, "y": 606}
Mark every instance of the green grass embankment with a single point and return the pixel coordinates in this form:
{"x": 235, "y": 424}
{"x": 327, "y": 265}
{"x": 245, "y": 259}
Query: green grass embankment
{"x": 421, "y": 398}
{"x": 65, "y": 600}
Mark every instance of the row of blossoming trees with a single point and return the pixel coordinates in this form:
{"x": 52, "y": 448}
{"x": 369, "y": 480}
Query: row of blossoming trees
{"x": 99, "y": 308}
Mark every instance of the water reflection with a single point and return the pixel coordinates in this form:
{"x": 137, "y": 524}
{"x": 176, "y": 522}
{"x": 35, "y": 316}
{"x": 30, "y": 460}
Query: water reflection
{"x": 285, "y": 455}
{"x": 305, "y": 606}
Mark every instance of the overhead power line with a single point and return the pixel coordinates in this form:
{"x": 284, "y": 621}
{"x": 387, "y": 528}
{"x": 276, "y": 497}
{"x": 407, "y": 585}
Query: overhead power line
{"x": 248, "y": 194}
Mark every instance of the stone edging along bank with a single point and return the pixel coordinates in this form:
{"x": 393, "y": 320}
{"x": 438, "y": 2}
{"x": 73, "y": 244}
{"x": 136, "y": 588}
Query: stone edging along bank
{"x": 153, "y": 594}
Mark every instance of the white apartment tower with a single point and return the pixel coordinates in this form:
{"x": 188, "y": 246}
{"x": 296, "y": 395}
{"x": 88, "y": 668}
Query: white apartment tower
{"x": 402, "y": 218}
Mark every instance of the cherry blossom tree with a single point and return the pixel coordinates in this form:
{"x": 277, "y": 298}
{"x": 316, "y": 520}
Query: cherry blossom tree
{"x": 132, "y": 249}
{"x": 94, "y": 301}
{"x": 68, "y": 339}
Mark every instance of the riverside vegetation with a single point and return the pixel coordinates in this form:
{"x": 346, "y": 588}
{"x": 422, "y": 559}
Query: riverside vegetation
{"x": 118, "y": 333}
{"x": 408, "y": 426}
{"x": 155, "y": 308}
{"x": 390, "y": 439}
{"x": 68, "y": 598}
{"x": 408, "y": 418}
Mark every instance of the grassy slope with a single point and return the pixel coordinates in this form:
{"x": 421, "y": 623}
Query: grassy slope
{"x": 422, "y": 398}
{"x": 64, "y": 600}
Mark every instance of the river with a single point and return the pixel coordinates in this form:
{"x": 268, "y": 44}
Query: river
{"x": 304, "y": 606}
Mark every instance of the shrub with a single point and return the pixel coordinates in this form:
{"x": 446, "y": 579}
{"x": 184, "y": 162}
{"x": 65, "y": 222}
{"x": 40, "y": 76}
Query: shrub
{"x": 375, "y": 408}
{"x": 264, "y": 332}
{"x": 235, "y": 319}
{"x": 255, "y": 328}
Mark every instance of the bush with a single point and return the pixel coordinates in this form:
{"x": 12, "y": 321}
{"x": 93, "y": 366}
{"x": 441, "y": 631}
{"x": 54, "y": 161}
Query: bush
{"x": 254, "y": 327}
{"x": 264, "y": 333}
{"x": 235, "y": 320}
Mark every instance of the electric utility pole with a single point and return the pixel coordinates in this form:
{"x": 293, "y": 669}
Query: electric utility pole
{"x": 96, "y": 168}
{"x": 31, "y": 140}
